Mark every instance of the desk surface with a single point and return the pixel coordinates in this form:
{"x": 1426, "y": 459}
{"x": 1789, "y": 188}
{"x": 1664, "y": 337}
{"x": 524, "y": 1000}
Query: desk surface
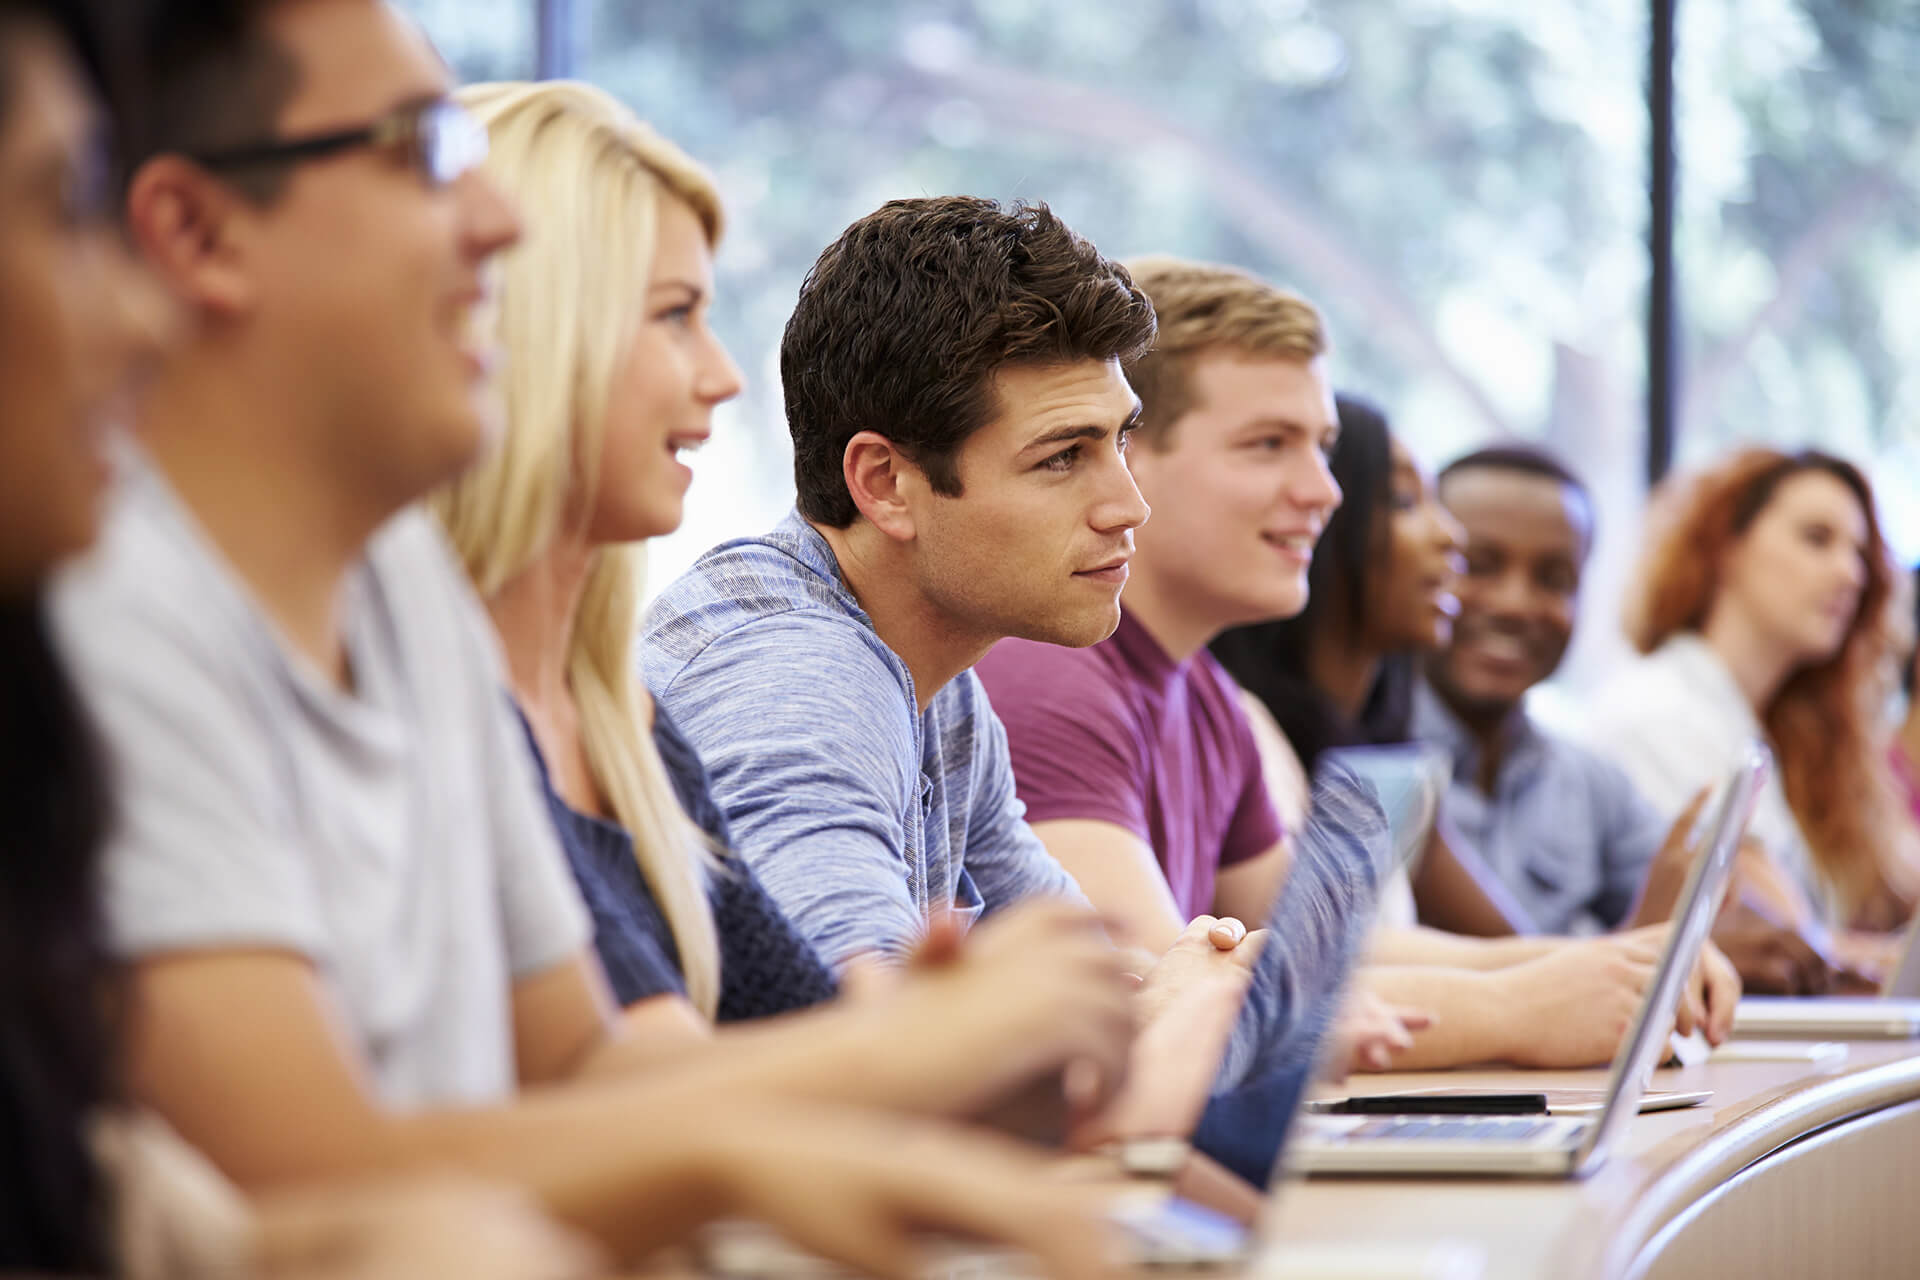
{"x": 1667, "y": 1162}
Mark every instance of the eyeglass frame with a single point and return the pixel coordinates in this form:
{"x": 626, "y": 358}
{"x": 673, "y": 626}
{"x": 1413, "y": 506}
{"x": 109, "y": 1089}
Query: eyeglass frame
{"x": 404, "y": 126}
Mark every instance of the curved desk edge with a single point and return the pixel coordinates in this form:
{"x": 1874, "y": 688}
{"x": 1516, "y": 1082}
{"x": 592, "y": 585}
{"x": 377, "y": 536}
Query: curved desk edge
{"x": 1791, "y": 1115}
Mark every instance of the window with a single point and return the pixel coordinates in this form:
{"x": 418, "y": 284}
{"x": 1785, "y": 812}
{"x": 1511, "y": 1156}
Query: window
{"x": 1799, "y": 234}
{"x": 1460, "y": 188}
{"x": 482, "y": 39}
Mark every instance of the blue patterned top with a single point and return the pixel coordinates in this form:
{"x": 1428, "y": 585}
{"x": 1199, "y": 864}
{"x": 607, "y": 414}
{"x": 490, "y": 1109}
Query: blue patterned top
{"x": 766, "y": 967}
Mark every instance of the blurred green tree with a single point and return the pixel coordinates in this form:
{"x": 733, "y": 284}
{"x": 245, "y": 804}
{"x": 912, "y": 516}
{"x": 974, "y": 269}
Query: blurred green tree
{"x": 1460, "y": 184}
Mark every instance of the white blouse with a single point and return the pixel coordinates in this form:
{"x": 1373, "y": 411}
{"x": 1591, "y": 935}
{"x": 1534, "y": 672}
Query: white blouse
{"x": 1676, "y": 721}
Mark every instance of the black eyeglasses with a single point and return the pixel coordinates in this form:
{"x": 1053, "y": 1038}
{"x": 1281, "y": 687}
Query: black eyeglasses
{"x": 441, "y": 141}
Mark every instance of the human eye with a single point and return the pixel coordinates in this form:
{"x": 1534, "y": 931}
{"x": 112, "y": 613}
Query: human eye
{"x": 1818, "y": 536}
{"x": 1063, "y": 461}
{"x": 1559, "y": 577}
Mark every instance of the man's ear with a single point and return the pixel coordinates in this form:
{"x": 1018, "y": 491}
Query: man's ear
{"x": 184, "y": 223}
{"x": 878, "y": 478}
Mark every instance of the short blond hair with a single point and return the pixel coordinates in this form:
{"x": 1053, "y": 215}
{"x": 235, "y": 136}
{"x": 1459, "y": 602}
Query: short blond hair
{"x": 1202, "y": 307}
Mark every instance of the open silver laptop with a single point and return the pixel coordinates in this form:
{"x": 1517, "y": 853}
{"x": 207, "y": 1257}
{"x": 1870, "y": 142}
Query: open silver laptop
{"x": 1554, "y": 1146}
{"x": 1408, "y": 779}
{"x": 1894, "y": 1014}
{"x": 1157, "y": 1229}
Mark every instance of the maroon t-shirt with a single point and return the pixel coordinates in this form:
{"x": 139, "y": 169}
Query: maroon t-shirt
{"x": 1121, "y": 733}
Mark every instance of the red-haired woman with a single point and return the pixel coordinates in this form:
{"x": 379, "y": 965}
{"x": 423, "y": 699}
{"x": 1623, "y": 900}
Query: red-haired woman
{"x": 1761, "y": 608}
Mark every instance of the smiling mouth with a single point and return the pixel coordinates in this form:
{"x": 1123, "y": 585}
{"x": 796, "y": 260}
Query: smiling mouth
{"x": 678, "y": 445}
{"x": 1497, "y": 648}
{"x": 1300, "y": 544}
{"x": 473, "y": 323}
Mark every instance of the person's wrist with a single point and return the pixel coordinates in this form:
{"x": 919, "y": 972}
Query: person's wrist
{"x": 1148, "y": 1159}
{"x": 904, "y": 1048}
{"x": 719, "y": 1160}
{"x": 1504, "y": 997}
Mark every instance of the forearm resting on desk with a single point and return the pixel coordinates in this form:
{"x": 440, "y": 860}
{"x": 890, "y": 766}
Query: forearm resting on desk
{"x": 1421, "y": 945}
{"x": 1470, "y": 1023}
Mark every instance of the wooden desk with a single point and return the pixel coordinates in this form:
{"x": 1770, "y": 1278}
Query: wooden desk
{"x": 1791, "y": 1170}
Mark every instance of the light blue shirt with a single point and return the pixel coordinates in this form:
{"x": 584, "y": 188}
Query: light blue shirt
{"x": 861, "y": 815}
{"x": 1564, "y": 829}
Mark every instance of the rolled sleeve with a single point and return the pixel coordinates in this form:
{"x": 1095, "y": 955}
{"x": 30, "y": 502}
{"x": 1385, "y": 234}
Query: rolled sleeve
{"x": 812, "y": 776}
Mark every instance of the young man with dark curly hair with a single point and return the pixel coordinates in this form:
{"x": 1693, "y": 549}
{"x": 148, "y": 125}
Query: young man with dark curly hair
{"x": 954, "y": 389}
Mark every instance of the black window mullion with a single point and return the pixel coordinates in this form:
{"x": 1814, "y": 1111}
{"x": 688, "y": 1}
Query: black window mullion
{"x": 557, "y": 55}
{"x": 1663, "y": 308}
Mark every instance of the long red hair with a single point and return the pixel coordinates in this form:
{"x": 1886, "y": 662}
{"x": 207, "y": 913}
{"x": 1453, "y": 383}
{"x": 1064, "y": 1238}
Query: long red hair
{"x": 1822, "y": 722}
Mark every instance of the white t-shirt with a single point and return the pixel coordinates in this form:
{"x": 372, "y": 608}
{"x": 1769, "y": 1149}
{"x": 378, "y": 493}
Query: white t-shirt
{"x": 1676, "y": 721}
{"x": 395, "y": 835}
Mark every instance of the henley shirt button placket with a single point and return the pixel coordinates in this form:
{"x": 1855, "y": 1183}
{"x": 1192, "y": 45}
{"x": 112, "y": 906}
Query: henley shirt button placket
{"x": 938, "y": 887}
{"x": 920, "y": 877}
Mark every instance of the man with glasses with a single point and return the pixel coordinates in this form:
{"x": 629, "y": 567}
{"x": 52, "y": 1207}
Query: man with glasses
{"x": 349, "y": 933}
{"x": 435, "y": 134}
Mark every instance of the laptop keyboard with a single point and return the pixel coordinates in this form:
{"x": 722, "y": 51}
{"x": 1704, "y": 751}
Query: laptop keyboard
{"x": 1425, "y": 1128}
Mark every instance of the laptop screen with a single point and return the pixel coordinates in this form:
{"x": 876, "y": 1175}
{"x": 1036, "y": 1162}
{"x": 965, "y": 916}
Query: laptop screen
{"x": 1699, "y": 903}
{"x": 1408, "y": 779}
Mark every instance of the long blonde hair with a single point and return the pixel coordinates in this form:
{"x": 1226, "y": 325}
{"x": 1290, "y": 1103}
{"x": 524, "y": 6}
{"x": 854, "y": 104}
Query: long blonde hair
{"x": 590, "y": 178}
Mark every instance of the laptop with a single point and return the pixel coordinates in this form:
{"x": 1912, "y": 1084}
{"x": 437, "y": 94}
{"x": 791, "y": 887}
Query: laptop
{"x": 1164, "y": 1232}
{"x": 1894, "y": 1014}
{"x": 1156, "y": 1229}
{"x": 1904, "y": 982}
{"x": 1554, "y": 1146}
{"x": 1826, "y": 1018}
{"x": 1408, "y": 779}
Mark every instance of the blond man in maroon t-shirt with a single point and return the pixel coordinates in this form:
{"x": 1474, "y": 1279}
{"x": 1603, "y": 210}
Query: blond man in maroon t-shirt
{"x": 1136, "y": 760}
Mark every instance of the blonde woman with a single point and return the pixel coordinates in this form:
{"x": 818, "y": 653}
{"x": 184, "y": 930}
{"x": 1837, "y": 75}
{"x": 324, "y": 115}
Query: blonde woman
{"x": 607, "y": 363}
{"x": 610, "y": 373}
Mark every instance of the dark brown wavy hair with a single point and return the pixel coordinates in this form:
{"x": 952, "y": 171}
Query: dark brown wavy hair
{"x": 905, "y": 319}
{"x": 1821, "y": 722}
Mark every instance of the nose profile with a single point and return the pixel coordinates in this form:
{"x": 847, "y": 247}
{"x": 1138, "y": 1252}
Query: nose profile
{"x": 721, "y": 377}
{"x": 1854, "y": 567}
{"x": 1508, "y": 592}
{"x": 1317, "y": 489}
{"x": 1121, "y": 507}
{"x": 1449, "y": 538}
{"x": 491, "y": 219}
